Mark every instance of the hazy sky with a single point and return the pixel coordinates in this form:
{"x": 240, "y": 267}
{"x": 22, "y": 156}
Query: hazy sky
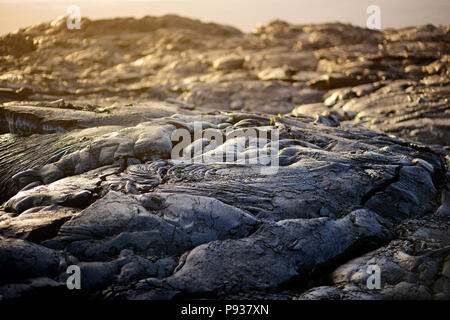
{"x": 244, "y": 14}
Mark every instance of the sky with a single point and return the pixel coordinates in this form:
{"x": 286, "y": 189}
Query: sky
{"x": 243, "y": 14}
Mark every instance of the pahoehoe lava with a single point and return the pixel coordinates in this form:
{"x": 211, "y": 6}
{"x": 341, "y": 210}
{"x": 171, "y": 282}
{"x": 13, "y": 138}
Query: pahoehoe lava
{"x": 87, "y": 177}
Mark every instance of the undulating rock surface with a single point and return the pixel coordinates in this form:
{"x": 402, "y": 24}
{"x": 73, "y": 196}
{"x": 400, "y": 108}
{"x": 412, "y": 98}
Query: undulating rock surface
{"x": 349, "y": 169}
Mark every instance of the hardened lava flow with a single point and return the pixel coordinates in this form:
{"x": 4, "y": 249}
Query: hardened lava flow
{"x": 88, "y": 175}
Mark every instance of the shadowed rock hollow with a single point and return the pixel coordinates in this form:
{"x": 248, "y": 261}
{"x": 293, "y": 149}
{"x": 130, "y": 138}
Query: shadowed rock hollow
{"x": 87, "y": 119}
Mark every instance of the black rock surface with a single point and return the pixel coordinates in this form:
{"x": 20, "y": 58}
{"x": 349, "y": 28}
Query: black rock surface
{"x": 88, "y": 176}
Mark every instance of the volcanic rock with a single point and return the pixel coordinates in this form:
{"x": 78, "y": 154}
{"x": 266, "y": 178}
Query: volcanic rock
{"x": 354, "y": 172}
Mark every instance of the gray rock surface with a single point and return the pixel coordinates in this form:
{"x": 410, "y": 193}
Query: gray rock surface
{"x": 275, "y": 254}
{"x": 358, "y": 174}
